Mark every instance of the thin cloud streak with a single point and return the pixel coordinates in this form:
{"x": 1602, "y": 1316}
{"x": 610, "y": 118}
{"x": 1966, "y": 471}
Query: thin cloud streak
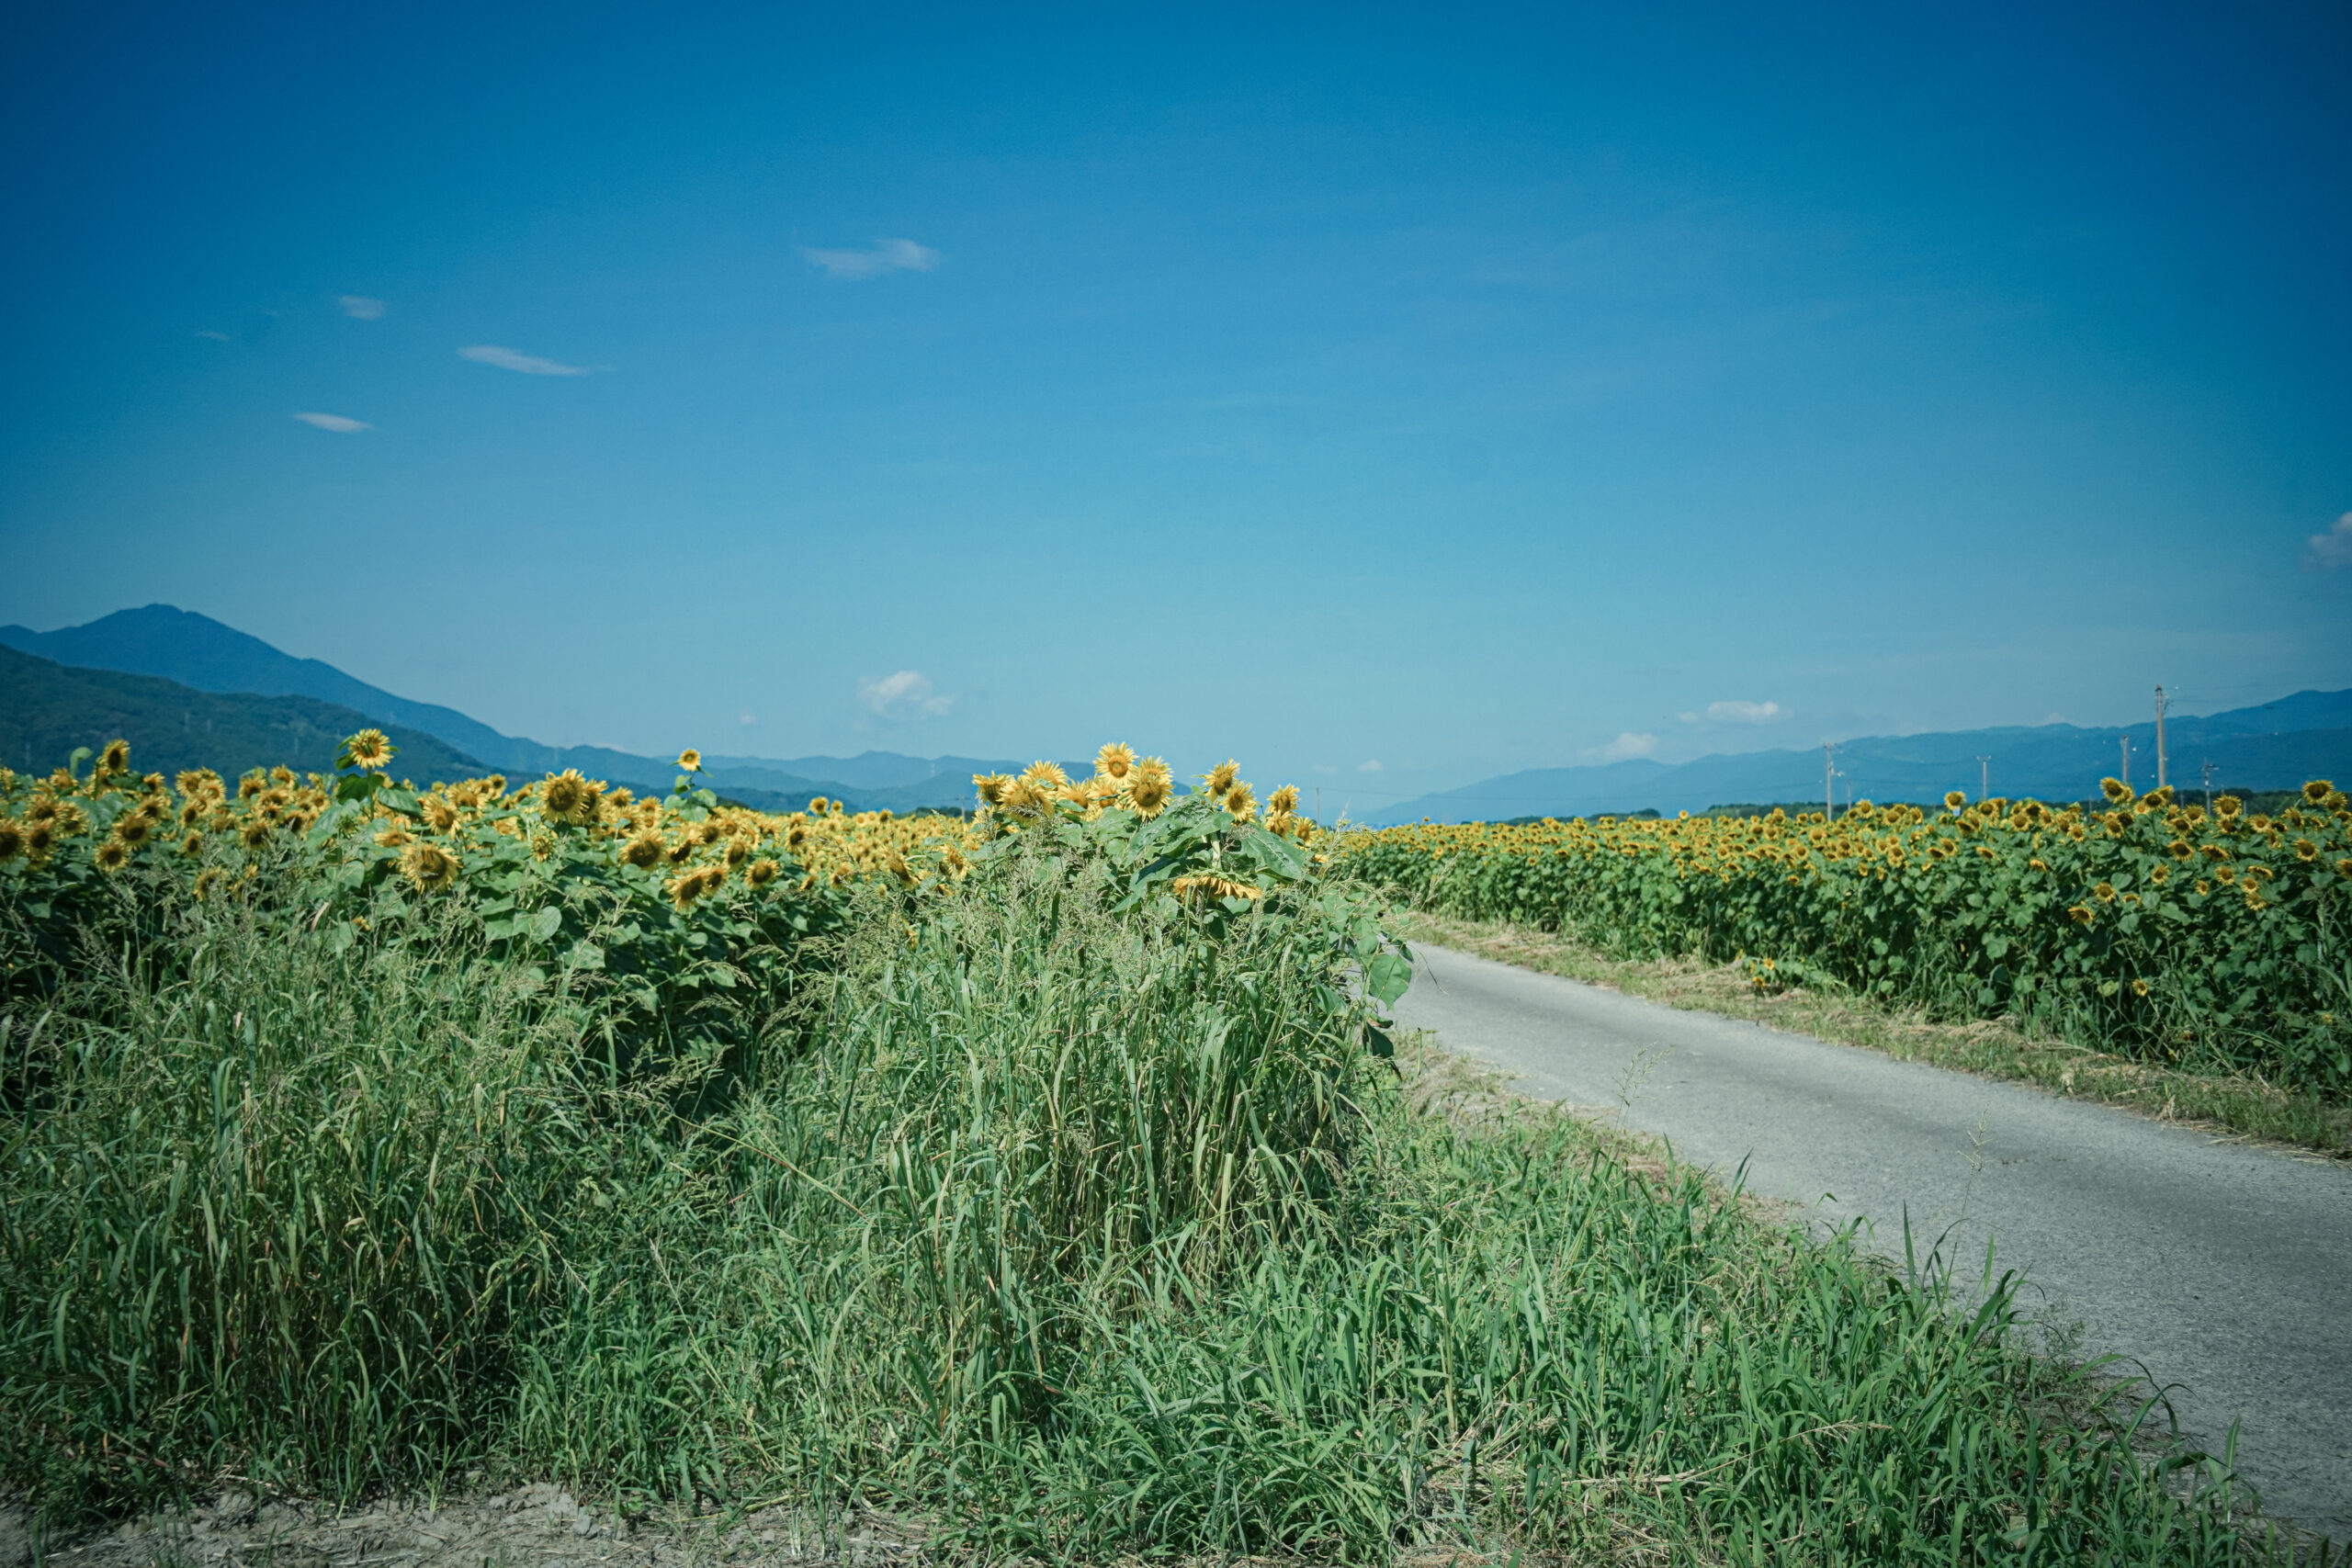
{"x": 360, "y": 307}
{"x": 335, "y": 423}
{"x": 886, "y": 256}
{"x": 508, "y": 359}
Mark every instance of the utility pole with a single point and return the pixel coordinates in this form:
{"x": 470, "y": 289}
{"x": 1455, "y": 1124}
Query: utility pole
{"x": 1319, "y": 803}
{"x": 2160, "y": 738}
{"x": 2208, "y": 768}
{"x": 1829, "y": 781}
{"x": 1984, "y": 778}
{"x": 2126, "y": 742}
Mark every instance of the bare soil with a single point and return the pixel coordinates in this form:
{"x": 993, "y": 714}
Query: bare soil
{"x": 537, "y": 1525}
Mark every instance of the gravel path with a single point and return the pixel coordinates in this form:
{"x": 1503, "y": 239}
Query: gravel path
{"x": 2225, "y": 1270}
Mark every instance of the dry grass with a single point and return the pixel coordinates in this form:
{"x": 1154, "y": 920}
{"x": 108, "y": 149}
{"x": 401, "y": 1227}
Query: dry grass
{"x": 2247, "y": 1106}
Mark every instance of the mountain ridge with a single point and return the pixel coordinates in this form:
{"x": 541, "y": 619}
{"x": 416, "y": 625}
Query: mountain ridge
{"x": 47, "y": 709}
{"x": 2273, "y": 745}
{"x": 201, "y": 653}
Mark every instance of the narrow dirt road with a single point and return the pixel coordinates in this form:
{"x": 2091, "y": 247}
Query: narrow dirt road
{"x": 2225, "y": 1270}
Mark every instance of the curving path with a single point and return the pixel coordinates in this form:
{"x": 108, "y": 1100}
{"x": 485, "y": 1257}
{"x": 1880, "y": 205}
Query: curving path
{"x": 2225, "y": 1270}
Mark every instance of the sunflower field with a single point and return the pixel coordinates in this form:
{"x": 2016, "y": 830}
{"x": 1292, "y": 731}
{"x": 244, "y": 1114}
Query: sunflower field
{"x": 653, "y": 901}
{"x": 2159, "y": 928}
{"x": 1043, "y": 1177}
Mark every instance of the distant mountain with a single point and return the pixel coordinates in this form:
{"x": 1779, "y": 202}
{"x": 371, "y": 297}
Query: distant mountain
{"x": 47, "y": 710}
{"x": 198, "y": 651}
{"x": 2274, "y": 746}
{"x": 873, "y": 779}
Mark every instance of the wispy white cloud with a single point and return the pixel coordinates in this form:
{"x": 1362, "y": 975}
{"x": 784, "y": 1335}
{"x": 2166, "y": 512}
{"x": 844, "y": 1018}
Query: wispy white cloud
{"x": 335, "y": 423}
{"x": 1743, "y": 713}
{"x": 907, "y": 693}
{"x": 2326, "y": 552}
{"x": 747, "y": 718}
{"x": 887, "y": 256}
{"x": 1370, "y": 767}
{"x": 1627, "y": 745}
{"x": 216, "y": 337}
{"x": 507, "y": 359}
{"x": 360, "y": 307}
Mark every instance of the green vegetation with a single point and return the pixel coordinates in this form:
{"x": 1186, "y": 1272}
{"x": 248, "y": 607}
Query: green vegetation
{"x": 2213, "y": 942}
{"x": 1076, "y": 1205}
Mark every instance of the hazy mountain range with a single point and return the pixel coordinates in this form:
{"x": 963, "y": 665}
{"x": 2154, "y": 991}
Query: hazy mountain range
{"x": 186, "y": 690}
{"x": 2276, "y": 745}
{"x": 206, "y": 656}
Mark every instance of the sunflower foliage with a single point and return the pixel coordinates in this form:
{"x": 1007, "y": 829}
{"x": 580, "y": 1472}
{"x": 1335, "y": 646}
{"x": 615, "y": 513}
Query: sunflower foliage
{"x": 1213, "y": 853}
{"x": 2153, "y": 927}
{"x": 658, "y": 903}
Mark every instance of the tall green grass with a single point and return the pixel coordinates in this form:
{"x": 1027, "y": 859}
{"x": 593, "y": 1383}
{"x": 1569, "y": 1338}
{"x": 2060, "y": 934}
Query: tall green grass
{"x": 1078, "y": 1234}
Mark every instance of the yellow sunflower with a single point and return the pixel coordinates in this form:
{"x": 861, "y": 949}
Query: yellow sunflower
{"x": 570, "y": 798}
{"x": 370, "y": 750}
{"x": 760, "y": 873}
{"x": 2316, "y": 791}
{"x": 1220, "y": 778}
{"x": 1115, "y": 761}
{"x": 1151, "y": 786}
{"x": 12, "y": 839}
{"x": 115, "y": 759}
{"x": 429, "y": 867}
{"x": 690, "y": 760}
{"x": 111, "y": 856}
{"x": 684, "y": 889}
{"x": 991, "y": 787}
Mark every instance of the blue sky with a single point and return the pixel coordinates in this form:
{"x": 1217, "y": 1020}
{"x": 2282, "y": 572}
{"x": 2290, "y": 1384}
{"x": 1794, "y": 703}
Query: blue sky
{"x": 1456, "y": 389}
